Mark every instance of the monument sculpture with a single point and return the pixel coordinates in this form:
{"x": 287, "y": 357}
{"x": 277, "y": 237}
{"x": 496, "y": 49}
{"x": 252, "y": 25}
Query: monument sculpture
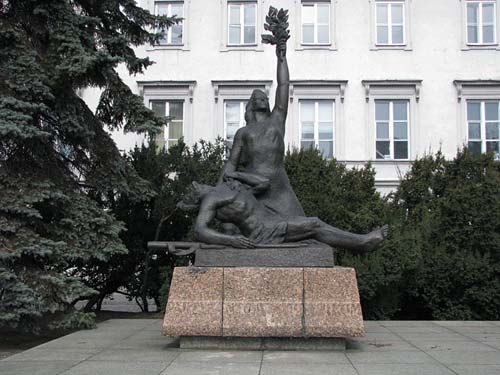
{"x": 275, "y": 279}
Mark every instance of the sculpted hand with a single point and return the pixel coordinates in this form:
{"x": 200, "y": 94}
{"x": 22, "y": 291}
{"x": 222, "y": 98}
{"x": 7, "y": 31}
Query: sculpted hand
{"x": 241, "y": 242}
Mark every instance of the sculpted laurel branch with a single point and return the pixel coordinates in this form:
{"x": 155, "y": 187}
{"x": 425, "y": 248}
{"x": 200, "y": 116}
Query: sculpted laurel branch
{"x": 277, "y": 24}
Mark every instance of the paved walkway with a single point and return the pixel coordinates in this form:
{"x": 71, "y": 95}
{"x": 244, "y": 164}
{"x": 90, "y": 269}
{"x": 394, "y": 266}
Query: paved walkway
{"x": 134, "y": 346}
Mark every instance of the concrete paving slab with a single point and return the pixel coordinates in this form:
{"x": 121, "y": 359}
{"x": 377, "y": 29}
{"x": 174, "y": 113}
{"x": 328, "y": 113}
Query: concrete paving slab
{"x": 305, "y": 357}
{"x": 466, "y": 323}
{"x": 133, "y": 355}
{"x": 306, "y": 369}
{"x": 35, "y": 367}
{"x": 115, "y": 368}
{"x": 418, "y": 329}
{"x": 411, "y": 357}
{"x": 380, "y": 346}
{"x": 38, "y": 354}
{"x": 219, "y": 356}
{"x": 442, "y": 336}
{"x": 467, "y": 357}
{"x": 484, "y": 337}
{"x": 466, "y": 345}
{"x": 476, "y": 369}
{"x": 403, "y": 369}
{"x": 197, "y": 368}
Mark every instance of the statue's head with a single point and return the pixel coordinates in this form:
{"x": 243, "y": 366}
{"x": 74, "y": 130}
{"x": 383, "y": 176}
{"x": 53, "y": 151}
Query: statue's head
{"x": 192, "y": 199}
{"x": 259, "y": 102}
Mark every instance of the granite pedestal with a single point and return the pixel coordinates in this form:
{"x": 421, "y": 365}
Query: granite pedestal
{"x": 261, "y": 303}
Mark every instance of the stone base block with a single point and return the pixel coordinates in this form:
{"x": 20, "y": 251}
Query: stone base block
{"x": 262, "y": 343}
{"x": 264, "y": 303}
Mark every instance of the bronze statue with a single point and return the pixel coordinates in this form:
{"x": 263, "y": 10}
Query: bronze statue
{"x": 259, "y": 147}
{"x": 234, "y": 201}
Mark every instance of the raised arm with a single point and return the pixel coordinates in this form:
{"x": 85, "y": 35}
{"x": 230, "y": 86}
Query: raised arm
{"x": 282, "y": 91}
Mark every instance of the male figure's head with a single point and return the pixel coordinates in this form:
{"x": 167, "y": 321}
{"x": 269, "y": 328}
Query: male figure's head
{"x": 258, "y": 102}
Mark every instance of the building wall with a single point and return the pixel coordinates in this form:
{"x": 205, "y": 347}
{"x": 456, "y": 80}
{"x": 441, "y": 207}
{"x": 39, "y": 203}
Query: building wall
{"x": 435, "y": 55}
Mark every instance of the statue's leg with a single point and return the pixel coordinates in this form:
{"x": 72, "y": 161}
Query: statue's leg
{"x": 311, "y": 227}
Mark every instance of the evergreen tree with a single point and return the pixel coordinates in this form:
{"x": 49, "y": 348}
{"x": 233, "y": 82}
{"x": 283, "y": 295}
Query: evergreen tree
{"x": 59, "y": 168}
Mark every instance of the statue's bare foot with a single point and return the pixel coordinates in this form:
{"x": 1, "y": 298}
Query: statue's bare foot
{"x": 375, "y": 237}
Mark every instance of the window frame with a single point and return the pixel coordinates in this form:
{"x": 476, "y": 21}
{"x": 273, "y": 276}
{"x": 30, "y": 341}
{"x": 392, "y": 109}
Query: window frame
{"x": 391, "y": 122}
{"x": 185, "y": 26}
{"x": 393, "y": 90}
{"x": 172, "y": 91}
{"x": 480, "y": 23}
{"x": 166, "y": 140}
{"x": 390, "y": 24}
{"x": 241, "y": 122}
{"x": 169, "y": 14}
{"x": 317, "y": 90}
{"x": 316, "y": 139}
{"x": 242, "y": 24}
{"x": 316, "y": 23}
{"x": 483, "y": 122}
{"x": 407, "y": 26}
{"x": 299, "y": 45}
{"x": 466, "y": 46}
{"x": 259, "y": 27}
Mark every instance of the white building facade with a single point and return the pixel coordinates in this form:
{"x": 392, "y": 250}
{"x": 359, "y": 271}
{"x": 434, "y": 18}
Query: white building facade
{"x": 382, "y": 81}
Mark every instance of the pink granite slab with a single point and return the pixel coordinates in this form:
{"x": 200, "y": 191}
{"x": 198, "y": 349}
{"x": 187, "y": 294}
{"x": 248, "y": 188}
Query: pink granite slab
{"x": 194, "y": 305}
{"x": 263, "y": 302}
{"x": 331, "y": 303}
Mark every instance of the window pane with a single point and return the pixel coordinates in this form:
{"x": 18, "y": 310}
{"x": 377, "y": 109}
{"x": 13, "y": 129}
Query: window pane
{"x": 382, "y": 35}
{"x": 474, "y": 111}
{"x": 397, "y": 13}
{"x": 492, "y": 130}
{"x": 492, "y": 147}
{"x": 231, "y": 128}
{"x": 383, "y": 150}
{"x": 175, "y": 130}
{"x": 177, "y": 10}
{"x": 232, "y": 112}
{"x": 323, "y": 34}
{"x": 323, "y": 13}
{"x": 491, "y": 111}
{"x": 397, "y": 35}
{"x": 400, "y": 130}
{"x": 488, "y": 13}
{"x": 474, "y": 147}
{"x": 325, "y": 130}
{"x": 162, "y": 9}
{"x": 234, "y": 14}
{"x": 234, "y": 35}
{"x": 176, "y": 110}
{"x": 472, "y": 14}
{"x": 400, "y": 111}
{"x": 400, "y": 150}
{"x": 474, "y": 130}
{"x": 382, "y": 111}
{"x": 158, "y": 108}
{"x": 326, "y": 149}
{"x": 382, "y": 130}
{"x": 177, "y": 34}
{"x": 249, "y": 34}
{"x": 307, "y": 111}
{"x": 249, "y": 14}
{"x": 307, "y": 144}
{"x": 325, "y": 111}
{"x": 488, "y": 34}
{"x": 472, "y": 36}
{"x": 308, "y": 13}
{"x": 307, "y": 130}
{"x": 307, "y": 33}
{"x": 382, "y": 13}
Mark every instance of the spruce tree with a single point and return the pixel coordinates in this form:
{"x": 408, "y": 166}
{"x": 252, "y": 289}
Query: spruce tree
{"x": 59, "y": 167}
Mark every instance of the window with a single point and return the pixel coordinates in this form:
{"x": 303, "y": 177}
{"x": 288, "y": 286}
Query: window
{"x": 481, "y": 22}
{"x": 174, "y": 34}
{"x": 242, "y": 23}
{"x": 317, "y": 125}
{"x": 315, "y": 23}
{"x": 390, "y": 22}
{"x": 174, "y": 109}
{"x": 483, "y": 130}
{"x": 234, "y": 118}
{"x": 391, "y": 123}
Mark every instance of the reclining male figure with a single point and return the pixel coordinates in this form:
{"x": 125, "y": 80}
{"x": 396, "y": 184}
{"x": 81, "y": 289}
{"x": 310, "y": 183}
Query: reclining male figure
{"x": 233, "y": 201}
